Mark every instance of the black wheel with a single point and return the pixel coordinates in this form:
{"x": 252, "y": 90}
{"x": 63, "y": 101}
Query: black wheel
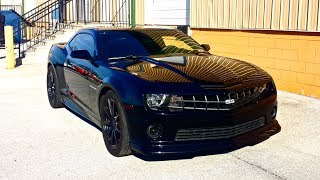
{"x": 114, "y": 125}
{"x": 53, "y": 89}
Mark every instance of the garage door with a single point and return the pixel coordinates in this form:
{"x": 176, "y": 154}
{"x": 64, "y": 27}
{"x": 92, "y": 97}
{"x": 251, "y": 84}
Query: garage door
{"x": 167, "y": 12}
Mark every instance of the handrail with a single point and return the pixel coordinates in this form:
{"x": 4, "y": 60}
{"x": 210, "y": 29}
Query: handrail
{"x": 117, "y": 13}
{"x": 43, "y": 22}
{"x": 38, "y": 6}
{"x": 95, "y": 5}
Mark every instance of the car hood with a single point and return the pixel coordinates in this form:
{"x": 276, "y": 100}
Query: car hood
{"x": 206, "y": 70}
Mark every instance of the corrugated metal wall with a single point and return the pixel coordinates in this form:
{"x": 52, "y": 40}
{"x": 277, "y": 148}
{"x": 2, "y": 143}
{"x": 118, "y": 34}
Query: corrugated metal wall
{"x": 116, "y": 12}
{"x": 301, "y": 15}
{"x": 139, "y": 12}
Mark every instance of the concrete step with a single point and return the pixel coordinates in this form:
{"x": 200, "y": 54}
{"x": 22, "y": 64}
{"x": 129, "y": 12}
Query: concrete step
{"x": 71, "y": 30}
{"x": 56, "y": 41}
{"x": 39, "y": 50}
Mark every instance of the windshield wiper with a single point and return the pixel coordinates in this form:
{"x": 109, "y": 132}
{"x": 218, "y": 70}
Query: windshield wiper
{"x": 130, "y": 57}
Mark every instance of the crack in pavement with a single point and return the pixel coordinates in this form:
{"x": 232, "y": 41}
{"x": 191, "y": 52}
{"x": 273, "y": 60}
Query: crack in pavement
{"x": 259, "y": 167}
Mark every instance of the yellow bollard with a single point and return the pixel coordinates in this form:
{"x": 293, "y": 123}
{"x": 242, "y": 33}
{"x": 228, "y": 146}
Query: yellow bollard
{"x": 10, "y": 59}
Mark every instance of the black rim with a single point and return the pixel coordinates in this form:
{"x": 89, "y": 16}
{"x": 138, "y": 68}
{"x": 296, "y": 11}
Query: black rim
{"x": 51, "y": 86}
{"x": 110, "y": 126}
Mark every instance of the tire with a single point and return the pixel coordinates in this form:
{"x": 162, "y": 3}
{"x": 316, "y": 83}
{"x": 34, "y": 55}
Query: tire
{"x": 114, "y": 125}
{"x": 53, "y": 89}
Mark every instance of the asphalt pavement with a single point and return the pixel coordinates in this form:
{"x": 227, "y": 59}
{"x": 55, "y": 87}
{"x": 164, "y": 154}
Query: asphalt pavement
{"x": 38, "y": 142}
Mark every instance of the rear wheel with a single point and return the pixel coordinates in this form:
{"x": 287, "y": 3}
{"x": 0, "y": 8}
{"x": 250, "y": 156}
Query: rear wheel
{"x": 53, "y": 89}
{"x": 114, "y": 125}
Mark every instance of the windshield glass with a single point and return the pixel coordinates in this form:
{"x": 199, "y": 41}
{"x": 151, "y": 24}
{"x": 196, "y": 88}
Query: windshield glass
{"x": 146, "y": 43}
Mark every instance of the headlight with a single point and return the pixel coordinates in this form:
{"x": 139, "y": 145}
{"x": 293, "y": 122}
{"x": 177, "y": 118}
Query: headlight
{"x": 271, "y": 86}
{"x": 163, "y": 102}
{"x": 268, "y": 87}
{"x": 155, "y": 101}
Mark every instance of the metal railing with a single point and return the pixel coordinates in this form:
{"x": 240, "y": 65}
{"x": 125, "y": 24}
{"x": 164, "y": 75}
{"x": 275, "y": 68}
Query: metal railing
{"x": 40, "y": 24}
{"x": 110, "y": 12}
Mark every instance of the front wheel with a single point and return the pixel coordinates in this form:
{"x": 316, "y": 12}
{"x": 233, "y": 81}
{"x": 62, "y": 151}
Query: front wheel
{"x": 114, "y": 125}
{"x": 53, "y": 89}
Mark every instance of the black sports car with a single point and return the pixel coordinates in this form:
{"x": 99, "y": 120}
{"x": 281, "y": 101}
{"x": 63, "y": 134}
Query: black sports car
{"x": 157, "y": 91}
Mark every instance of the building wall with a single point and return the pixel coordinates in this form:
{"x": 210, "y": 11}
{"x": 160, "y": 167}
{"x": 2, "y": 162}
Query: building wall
{"x": 7, "y": 5}
{"x": 10, "y": 2}
{"x": 140, "y": 12}
{"x": 167, "y": 12}
{"x": 300, "y": 15}
{"x": 38, "y": 2}
{"x": 292, "y": 58}
{"x": 29, "y": 4}
{"x": 282, "y": 37}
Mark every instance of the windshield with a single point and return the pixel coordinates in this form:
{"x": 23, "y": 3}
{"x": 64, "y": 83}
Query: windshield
{"x": 146, "y": 43}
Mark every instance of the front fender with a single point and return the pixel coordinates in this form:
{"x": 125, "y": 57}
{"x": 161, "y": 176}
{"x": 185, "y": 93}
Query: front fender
{"x": 57, "y": 56}
{"x": 125, "y": 86}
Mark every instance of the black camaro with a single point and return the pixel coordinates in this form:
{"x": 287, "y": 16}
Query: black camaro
{"x": 157, "y": 91}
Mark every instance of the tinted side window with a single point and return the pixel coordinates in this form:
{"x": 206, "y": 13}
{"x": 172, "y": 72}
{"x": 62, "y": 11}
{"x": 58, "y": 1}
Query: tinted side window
{"x": 85, "y": 42}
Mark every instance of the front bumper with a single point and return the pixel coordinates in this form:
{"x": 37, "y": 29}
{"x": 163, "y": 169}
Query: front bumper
{"x": 139, "y": 119}
{"x": 221, "y": 145}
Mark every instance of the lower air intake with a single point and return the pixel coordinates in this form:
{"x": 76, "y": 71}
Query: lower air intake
{"x": 194, "y": 134}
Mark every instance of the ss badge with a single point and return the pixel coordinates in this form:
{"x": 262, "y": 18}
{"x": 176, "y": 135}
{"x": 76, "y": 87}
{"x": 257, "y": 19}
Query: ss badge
{"x": 230, "y": 101}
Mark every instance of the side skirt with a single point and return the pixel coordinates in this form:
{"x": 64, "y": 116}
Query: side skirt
{"x": 79, "y": 111}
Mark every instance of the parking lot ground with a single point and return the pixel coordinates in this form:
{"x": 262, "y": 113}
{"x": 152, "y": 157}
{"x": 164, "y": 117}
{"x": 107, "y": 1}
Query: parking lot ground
{"x": 38, "y": 142}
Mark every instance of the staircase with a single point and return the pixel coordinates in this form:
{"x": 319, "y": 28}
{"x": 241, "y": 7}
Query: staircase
{"x": 39, "y": 30}
{"x": 39, "y": 54}
{"x": 42, "y": 23}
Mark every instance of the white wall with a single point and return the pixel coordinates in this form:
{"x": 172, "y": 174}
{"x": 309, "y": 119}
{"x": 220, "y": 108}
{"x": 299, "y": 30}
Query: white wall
{"x": 167, "y": 12}
{"x": 29, "y": 5}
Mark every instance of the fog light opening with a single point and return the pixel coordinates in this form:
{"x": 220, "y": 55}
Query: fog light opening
{"x": 274, "y": 112}
{"x": 154, "y": 131}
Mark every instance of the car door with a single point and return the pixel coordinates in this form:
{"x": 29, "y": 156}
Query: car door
{"x": 77, "y": 70}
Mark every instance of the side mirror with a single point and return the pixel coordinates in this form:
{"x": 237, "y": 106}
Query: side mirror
{"x": 81, "y": 54}
{"x": 206, "y": 47}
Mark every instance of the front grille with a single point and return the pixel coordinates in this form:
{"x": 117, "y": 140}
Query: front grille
{"x": 221, "y": 101}
{"x": 194, "y": 134}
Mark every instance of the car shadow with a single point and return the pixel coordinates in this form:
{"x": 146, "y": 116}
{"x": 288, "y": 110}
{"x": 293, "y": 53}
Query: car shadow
{"x": 190, "y": 156}
{"x": 180, "y": 156}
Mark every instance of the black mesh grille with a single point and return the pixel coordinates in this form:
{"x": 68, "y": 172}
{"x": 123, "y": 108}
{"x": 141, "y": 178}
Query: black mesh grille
{"x": 218, "y": 132}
